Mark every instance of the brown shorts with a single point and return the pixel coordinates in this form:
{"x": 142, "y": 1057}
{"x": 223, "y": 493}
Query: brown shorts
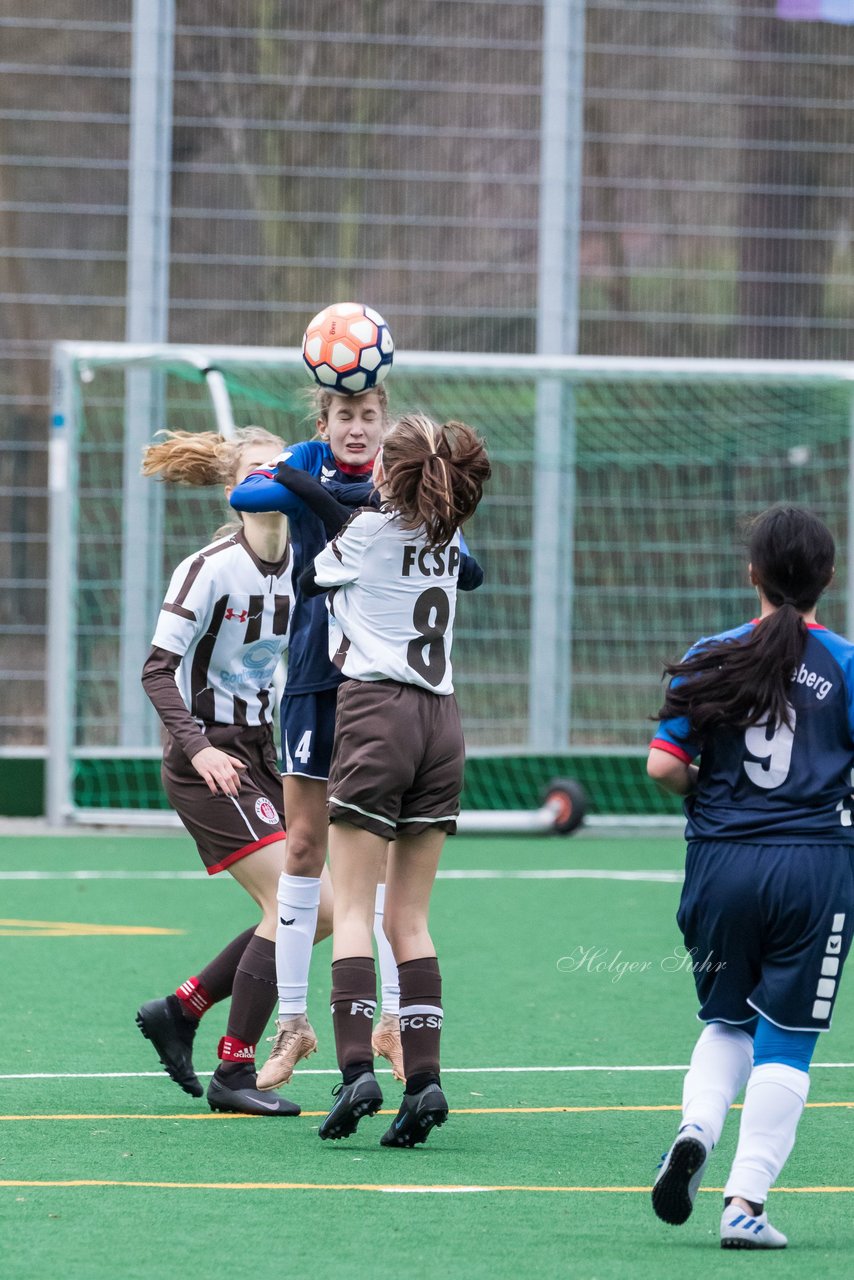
{"x": 227, "y": 828}
{"x": 397, "y": 763}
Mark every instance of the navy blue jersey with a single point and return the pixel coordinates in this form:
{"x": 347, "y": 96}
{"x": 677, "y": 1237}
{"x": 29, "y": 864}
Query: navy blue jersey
{"x": 779, "y": 784}
{"x": 309, "y": 668}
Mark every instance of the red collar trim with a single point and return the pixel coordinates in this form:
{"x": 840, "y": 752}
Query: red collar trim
{"x": 364, "y": 469}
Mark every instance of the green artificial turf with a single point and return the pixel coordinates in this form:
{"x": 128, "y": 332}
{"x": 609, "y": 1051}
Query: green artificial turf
{"x": 534, "y": 976}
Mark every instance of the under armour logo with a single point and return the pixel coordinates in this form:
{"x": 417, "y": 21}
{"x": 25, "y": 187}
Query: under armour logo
{"x": 281, "y": 921}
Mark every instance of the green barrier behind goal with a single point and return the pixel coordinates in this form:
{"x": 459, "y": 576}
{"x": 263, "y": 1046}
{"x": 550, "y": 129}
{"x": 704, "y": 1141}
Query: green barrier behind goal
{"x": 614, "y": 784}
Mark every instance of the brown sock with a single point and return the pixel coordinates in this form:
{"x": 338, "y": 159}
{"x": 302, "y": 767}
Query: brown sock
{"x": 217, "y": 977}
{"x": 354, "y": 1002}
{"x": 420, "y": 1017}
{"x": 255, "y": 993}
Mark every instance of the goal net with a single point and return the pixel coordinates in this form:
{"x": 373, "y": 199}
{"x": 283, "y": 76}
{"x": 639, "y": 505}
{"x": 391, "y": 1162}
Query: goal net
{"x": 610, "y": 536}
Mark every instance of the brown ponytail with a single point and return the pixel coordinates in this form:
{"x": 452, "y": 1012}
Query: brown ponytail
{"x": 434, "y": 475}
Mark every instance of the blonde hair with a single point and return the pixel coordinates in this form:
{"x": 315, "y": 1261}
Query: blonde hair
{"x": 434, "y": 475}
{"x": 203, "y": 458}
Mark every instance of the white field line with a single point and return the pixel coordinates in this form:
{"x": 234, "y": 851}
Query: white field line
{"x": 331, "y": 1071}
{"x": 558, "y": 873}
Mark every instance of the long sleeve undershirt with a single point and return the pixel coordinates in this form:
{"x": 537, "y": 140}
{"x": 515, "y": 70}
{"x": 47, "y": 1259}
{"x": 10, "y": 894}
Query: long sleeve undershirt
{"x": 158, "y": 680}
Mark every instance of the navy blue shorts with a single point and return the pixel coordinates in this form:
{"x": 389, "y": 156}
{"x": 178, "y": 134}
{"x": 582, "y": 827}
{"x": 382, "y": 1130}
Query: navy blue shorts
{"x": 308, "y": 731}
{"x": 768, "y": 927}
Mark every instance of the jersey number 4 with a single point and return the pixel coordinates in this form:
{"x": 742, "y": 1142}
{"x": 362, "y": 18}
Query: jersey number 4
{"x": 772, "y": 751}
{"x": 430, "y": 618}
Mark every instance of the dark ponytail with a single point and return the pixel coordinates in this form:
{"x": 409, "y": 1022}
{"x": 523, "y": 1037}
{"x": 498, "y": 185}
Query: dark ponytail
{"x": 434, "y": 475}
{"x": 737, "y": 683}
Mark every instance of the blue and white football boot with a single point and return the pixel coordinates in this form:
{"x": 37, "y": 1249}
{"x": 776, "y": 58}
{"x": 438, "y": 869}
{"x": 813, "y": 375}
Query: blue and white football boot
{"x": 680, "y": 1175}
{"x": 741, "y": 1229}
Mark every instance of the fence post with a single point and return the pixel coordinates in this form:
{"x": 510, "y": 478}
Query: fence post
{"x": 561, "y": 133}
{"x": 146, "y": 320}
{"x": 62, "y": 576}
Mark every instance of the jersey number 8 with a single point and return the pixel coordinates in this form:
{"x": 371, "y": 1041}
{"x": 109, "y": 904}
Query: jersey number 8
{"x": 426, "y": 655}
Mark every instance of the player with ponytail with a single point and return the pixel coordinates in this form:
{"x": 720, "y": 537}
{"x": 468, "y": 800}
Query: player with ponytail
{"x": 767, "y": 907}
{"x": 220, "y": 636}
{"x": 340, "y": 459}
{"x": 743, "y": 680}
{"x": 394, "y": 785}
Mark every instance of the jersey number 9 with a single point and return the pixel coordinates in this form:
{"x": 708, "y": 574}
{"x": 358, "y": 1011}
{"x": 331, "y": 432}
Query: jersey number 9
{"x": 773, "y": 753}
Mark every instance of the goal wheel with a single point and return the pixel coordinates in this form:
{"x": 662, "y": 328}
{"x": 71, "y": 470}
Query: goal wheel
{"x": 567, "y": 800}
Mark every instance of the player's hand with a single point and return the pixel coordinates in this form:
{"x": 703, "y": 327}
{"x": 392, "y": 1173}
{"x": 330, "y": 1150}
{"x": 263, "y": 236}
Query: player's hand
{"x": 219, "y": 770}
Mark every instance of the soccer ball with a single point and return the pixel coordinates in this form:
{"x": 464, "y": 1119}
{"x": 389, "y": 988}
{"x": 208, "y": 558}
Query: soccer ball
{"x": 348, "y": 348}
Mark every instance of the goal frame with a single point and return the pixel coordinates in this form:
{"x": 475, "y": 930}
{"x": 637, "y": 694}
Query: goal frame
{"x": 551, "y": 543}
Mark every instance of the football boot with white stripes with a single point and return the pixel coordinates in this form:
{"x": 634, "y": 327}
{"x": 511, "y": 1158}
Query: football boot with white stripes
{"x": 163, "y": 1023}
{"x": 419, "y": 1113}
{"x": 741, "y": 1229}
{"x": 679, "y": 1176}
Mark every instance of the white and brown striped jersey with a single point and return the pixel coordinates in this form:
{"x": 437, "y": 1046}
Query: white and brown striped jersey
{"x": 391, "y": 616}
{"x": 226, "y": 614}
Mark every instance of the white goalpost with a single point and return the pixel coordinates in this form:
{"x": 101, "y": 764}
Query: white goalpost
{"x": 608, "y": 534}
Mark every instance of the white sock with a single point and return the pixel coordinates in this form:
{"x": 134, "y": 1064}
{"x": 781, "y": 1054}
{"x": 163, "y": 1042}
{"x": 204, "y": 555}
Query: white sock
{"x": 720, "y": 1068}
{"x": 388, "y": 965}
{"x": 773, "y": 1104}
{"x": 299, "y": 899}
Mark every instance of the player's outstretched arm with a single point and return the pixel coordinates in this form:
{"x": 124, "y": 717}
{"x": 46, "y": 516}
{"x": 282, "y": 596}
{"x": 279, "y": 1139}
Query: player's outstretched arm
{"x": 470, "y": 575}
{"x": 340, "y": 561}
{"x": 308, "y": 488}
{"x": 260, "y": 491}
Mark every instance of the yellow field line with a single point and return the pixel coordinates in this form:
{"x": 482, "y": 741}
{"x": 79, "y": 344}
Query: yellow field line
{"x": 367, "y": 1186}
{"x": 455, "y": 1111}
{"x": 74, "y": 929}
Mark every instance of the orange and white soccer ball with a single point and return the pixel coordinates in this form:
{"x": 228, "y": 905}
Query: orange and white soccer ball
{"x": 348, "y": 348}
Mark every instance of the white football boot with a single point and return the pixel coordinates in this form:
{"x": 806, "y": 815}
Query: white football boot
{"x": 680, "y": 1175}
{"x": 741, "y": 1229}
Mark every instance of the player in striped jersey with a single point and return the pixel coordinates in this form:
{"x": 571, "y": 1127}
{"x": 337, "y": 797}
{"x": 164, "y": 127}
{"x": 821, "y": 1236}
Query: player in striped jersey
{"x": 767, "y": 907}
{"x": 341, "y": 459}
{"x": 397, "y": 763}
{"x": 222, "y": 630}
